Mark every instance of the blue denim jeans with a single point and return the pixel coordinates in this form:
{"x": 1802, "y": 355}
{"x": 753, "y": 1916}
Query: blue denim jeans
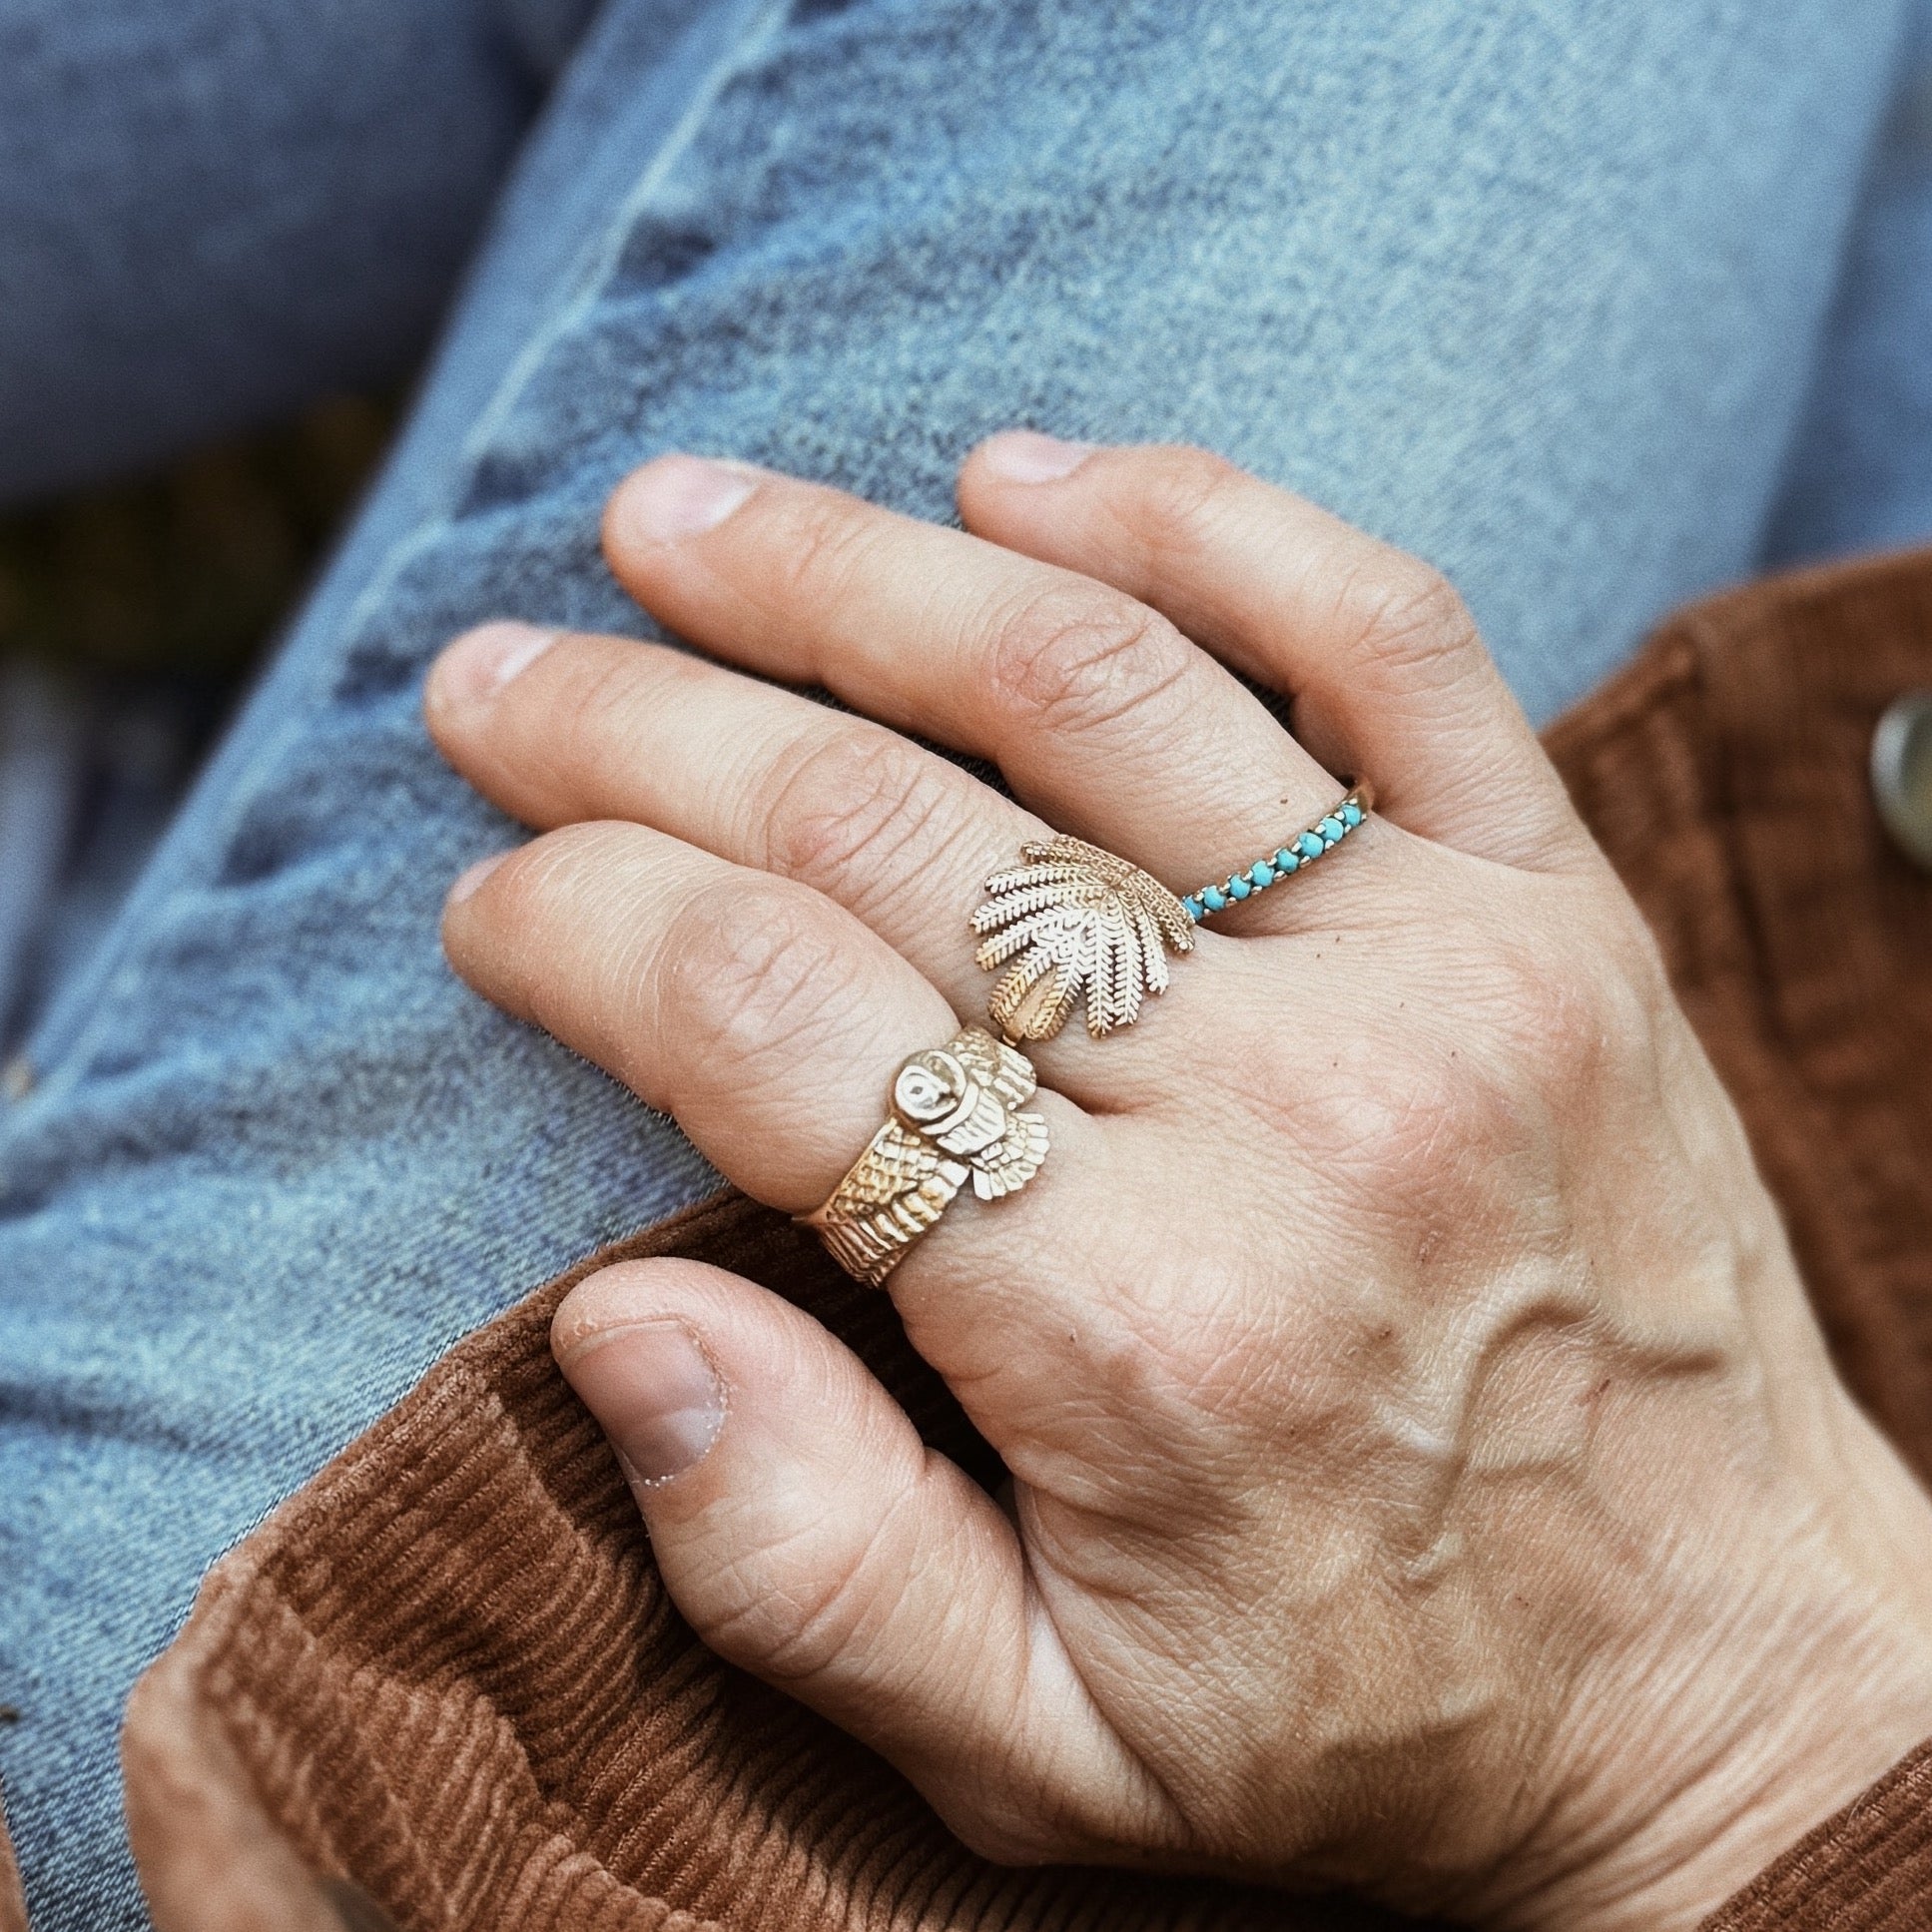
{"x": 1533, "y": 288}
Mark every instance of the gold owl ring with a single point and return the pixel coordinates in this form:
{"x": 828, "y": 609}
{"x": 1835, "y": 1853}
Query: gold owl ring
{"x": 1074, "y": 923}
{"x": 958, "y": 1115}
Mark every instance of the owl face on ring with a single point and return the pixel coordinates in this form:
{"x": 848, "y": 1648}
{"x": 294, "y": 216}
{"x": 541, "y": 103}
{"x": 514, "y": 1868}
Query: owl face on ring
{"x": 933, "y": 1092}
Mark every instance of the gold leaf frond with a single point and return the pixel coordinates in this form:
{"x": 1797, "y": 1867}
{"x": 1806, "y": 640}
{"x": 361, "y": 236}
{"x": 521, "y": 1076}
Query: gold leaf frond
{"x": 1075, "y": 922}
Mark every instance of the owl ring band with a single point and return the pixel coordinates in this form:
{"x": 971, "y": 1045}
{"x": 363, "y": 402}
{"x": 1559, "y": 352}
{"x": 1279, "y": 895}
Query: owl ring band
{"x": 958, "y": 1116}
{"x": 1073, "y": 922}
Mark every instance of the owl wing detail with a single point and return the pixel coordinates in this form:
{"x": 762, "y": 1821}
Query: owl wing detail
{"x": 1012, "y": 1161}
{"x": 1006, "y": 1164}
{"x": 897, "y": 1189}
{"x": 994, "y": 1064}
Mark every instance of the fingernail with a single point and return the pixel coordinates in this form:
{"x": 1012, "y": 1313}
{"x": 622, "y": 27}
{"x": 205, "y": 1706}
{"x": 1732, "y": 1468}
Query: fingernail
{"x": 480, "y": 662}
{"x": 467, "y": 881}
{"x": 655, "y": 1394}
{"x": 682, "y": 496}
{"x": 1026, "y": 456}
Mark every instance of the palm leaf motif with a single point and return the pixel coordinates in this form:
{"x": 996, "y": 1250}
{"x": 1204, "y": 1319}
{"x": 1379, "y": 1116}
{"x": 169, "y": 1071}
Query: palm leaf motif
{"x": 1074, "y": 921}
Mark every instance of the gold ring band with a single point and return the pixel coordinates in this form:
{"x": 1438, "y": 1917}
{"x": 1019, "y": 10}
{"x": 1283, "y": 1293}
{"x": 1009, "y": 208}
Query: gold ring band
{"x": 1074, "y": 923}
{"x": 958, "y": 1115}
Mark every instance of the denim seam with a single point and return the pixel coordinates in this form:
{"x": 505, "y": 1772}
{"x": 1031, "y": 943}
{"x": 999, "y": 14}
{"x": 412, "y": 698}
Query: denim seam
{"x": 758, "y": 34}
{"x": 57, "y": 1063}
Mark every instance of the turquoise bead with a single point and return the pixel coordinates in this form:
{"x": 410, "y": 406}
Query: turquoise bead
{"x": 1318, "y": 839}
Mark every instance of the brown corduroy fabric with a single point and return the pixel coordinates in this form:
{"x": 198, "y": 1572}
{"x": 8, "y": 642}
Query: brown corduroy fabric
{"x": 1869, "y": 1870}
{"x": 13, "y": 1902}
{"x": 442, "y": 1688}
{"x": 1725, "y": 773}
{"x": 447, "y": 1670}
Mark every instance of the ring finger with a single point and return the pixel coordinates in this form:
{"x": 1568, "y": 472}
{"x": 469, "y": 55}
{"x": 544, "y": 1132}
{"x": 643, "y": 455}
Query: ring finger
{"x": 767, "y": 1020}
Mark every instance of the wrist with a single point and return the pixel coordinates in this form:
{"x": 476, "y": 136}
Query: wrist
{"x": 1818, "y": 1687}
{"x": 1722, "y": 1832}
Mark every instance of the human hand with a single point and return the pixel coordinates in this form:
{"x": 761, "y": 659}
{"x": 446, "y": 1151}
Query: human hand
{"x": 1427, "y": 1473}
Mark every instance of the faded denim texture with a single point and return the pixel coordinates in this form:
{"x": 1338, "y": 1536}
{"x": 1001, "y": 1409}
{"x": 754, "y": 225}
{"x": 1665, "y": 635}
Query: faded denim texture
{"x": 1859, "y": 477}
{"x": 1533, "y": 288}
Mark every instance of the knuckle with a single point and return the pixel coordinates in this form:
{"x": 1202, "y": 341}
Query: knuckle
{"x": 1570, "y": 1015}
{"x": 755, "y": 968}
{"x": 1414, "y": 1119}
{"x": 819, "y": 544}
{"x": 1146, "y": 1364}
{"x": 1137, "y": 1427}
{"x": 1075, "y": 658}
{"x": 1405, "y": 614}
{"x": 1406, "y": 1126}
{"x": 1180, "y": 495}
{"x": 853, "y": 796}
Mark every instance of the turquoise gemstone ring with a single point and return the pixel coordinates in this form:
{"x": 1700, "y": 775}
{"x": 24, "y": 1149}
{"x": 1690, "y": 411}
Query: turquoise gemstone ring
{"x": 1074, "y": 925}
{"x": 1303, "y": 849}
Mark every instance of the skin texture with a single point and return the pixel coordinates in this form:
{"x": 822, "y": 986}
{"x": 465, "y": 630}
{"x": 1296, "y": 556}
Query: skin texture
{"x": 1427, "y": 1476}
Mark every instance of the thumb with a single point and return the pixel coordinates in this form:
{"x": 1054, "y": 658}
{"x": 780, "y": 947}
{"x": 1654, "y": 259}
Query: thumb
{"x": 807, "y": 1535}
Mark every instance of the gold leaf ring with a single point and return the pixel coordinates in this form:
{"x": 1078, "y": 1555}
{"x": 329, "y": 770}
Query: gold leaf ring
{"x": 1078, "y": 923}
{"x": 1075, "y": 922}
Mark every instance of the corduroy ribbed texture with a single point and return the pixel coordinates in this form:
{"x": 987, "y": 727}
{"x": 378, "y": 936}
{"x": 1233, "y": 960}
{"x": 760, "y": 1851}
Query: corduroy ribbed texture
{"x": 452, "y": 1674}
{"x": 445, "y": 1676}
{"x": 1869, "y": 1870}
{"x": 1725, "y": 773}
{"x": 13, "y": 1902}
